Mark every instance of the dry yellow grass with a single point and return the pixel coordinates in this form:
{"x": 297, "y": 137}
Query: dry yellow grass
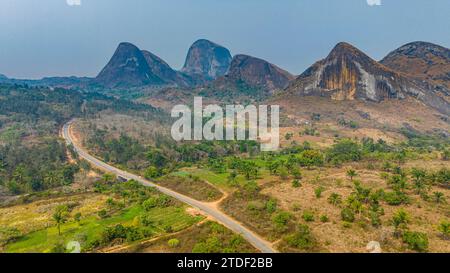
{"x": 333, "y": 236}
{"x": 38, "y": 215}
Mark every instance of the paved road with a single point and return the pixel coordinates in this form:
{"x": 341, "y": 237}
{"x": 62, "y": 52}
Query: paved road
{"x": 211, "y": 211}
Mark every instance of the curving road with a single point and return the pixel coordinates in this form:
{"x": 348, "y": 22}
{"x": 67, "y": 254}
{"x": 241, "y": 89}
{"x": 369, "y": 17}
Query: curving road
{"x": 255, "y": 240}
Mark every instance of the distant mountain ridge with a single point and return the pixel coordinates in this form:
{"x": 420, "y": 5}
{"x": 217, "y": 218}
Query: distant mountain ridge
{"x": 418, "y": 70}
{"x": 62, "y": 82}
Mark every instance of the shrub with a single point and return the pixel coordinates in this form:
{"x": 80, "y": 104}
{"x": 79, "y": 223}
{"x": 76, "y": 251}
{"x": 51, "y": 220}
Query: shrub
{"x": 8, "y": 235}
{"x": 439, "y": 197}
{"x": 345, "y": 150}
{"x": 318, "y": 192}
{"x": 296, "y": 183}
{"x": 103, "y": 214}
{"x": 348, "y": 215}
{"x": 416, "y": 241}
{"x": 173, "y": 243}
{"x": 58, "y": 247}
{"x": 396, "y": 198}
{"x": 77, "y": 217}
{"x": 346, "y": 224}
{"x": 400, "y": 221}
{"x": 375, "y": 218}
{"x": 251, "y": 187}
{"x": 296, "y": 173}
{"x": 256, "y": 205}
{"x": 446, "y": 155}
{"x": 444, "y": 228}
{"x": 168, "y": 228}
{"x": 302, "y": 238}
{"x": 308, "y": 216}
{"x": 116, "y": 232}
{"x": 271, "y": 206}
{"x": 288, "y": 136}
{"x": 281, "y": 220}
{"x": 283, "y": 172}
{"x": 236, "y": 240}
{"x": 146, "y": 220}
{"x": 152, "y": 172}
{"x": 161, "y": 201}
{"x": 335, "y": 199}
{"x": 150, "y": 203}
{"x": 133, "y": 234}
{"x": 354, "y": 204}
{"x": 324, "y": 219}
{"x": 309, "y": 158}
{"x": 210, "y": 245}
{"x": 442, "y": 178}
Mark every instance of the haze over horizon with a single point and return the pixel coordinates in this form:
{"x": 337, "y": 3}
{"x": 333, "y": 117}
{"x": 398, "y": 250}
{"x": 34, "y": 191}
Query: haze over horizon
{"x": 52, "y": 38}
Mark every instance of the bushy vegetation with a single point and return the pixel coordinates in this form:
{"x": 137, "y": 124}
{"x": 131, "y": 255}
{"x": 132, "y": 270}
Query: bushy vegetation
{"x": 302, "y": 239}
{"x": 216, "y": 242}
{"x": 416, "y": 241}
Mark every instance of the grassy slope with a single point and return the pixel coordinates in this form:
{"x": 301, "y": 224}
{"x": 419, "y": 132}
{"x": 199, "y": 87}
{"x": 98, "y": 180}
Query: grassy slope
{"x": 91, "y": 227}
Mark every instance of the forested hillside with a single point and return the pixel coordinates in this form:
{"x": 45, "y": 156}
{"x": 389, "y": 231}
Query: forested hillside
{"x": 32, "y": 157}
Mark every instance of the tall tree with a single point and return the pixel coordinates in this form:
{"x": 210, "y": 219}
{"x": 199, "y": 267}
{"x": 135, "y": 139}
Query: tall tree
{"x": 60, "y": 216}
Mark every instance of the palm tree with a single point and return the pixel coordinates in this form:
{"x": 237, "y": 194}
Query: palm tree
{"x": 400, "y": 221}
{"x": 439, "y": 197}
{"x": 60, "y": 216}
{"x": 419, "y": 179}
{"x": 335, "y": 199}
{"x": 444, "y": 228}
{"x": 351, "y": 174}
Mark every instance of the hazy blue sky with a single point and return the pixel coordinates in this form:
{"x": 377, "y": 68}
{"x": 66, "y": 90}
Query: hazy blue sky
{"x": 51, "y": 38}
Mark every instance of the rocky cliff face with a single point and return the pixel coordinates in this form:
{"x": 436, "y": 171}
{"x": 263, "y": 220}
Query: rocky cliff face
{"x": 349, "y": 74}
{"x": 162, "y": 70}
{"x": 427, "y": 63}
{"x": 127, "y": 68}
{"x": 207, "y": 61}
{"x": 258, "y": 73}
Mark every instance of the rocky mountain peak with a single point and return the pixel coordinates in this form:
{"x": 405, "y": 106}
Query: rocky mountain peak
{"x": 427, "y": 63}
{"x": 423, "y": 50}
{"x": 127, "y": 68}
{"x": 207, "y": 60}
{"x": 349, "y": 74}
{"x": 259, "y": 73}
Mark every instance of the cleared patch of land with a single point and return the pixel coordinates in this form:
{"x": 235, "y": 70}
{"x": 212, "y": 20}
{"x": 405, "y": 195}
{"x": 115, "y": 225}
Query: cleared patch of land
{"x": 191, "y": 186}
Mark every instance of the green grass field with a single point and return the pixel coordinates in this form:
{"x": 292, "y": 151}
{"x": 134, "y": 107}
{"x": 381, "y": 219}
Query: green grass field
{"x": 91, "y": 227}
{"x": 220, "y": 179}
